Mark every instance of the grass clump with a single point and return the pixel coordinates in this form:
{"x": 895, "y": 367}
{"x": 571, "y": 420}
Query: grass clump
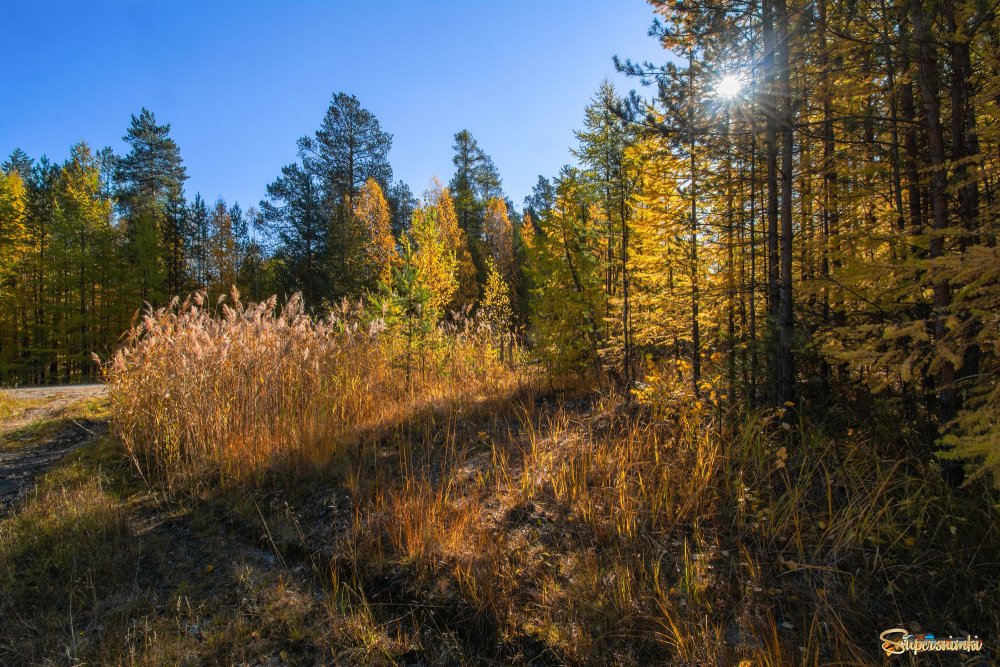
{"x": 9, "y": 407}
{"x": 252, "y": 388}
{"x": 64, "y": 557}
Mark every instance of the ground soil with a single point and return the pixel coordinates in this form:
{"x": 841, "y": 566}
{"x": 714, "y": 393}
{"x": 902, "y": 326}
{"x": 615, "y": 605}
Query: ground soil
{"x": 28, "y": 451}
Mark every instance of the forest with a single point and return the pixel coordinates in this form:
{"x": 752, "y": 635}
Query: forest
{"x": 724, "y": 390}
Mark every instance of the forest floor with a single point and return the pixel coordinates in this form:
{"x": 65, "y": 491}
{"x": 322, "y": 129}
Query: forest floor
{"x": 464, "y": 563}
{"x": 97, "y": 567}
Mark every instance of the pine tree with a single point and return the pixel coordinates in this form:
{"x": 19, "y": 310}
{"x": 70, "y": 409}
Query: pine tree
{"x": 401, "y": 204}
{"x": 474, "y": 183}
{"x": 539, "y": 203}
{"x": 349, "y": 148}
{"x": 149, "y": 183}
{"x": 295, "y": 215}
{"x": 199, "y": 227}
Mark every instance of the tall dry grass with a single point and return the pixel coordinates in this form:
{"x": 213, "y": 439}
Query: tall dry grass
{"x": 597, "y": 534}
{"x": 241, "y": 389}
{"x": 485, "y": 528}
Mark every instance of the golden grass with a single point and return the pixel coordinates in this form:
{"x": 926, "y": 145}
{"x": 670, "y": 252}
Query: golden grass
{"x": 248, "y": 389}
{"x": 473, "y": 521}
{"x": 629, "y": 536}
{"x": 9, "y": 407}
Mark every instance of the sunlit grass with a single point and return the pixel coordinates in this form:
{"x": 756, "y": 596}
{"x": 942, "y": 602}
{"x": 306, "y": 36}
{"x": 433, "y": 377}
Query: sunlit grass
{"x": 461, "y": 518}
{"x": 681, "y": 537}
{"x": 254, "y": 388}
{"x": 10, "y": 407}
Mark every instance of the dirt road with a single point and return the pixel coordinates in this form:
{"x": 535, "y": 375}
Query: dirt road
{"x": 34, "y": 440}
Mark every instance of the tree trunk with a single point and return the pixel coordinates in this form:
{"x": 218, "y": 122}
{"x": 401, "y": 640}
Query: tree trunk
{"x": 771, "y": 148}
{"x": 927, "y": 78}
{"x": 786, "y": 330}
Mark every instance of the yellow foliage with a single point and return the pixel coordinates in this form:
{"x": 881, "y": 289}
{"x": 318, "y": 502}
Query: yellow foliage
{"x": 435, "y": 265}
{"x": 499, "y": 237}
{"x": 495, "y": 308}
{"x": 371, "y": 208}
{"x": 454, "y": 241}
{"x": 13, "y": 235}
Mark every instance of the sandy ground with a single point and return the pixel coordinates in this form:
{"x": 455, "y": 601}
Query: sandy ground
{"x": 24, "y": 457}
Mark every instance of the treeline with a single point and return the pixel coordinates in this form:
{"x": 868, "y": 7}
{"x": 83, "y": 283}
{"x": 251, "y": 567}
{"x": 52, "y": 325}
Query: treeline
{"x": 342, "y": 226}
{"x": 825, "y": 235}
{"x": 86, "y": 244}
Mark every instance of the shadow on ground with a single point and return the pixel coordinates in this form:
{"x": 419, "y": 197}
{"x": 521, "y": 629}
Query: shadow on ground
{"x": 98, "y": 567}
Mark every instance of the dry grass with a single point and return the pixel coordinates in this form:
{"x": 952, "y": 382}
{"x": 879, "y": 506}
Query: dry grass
{"x": 464, "y": 519}
{"x": 592, "y": 534}
{"x": 9, "y": 407}
{"x": 243, "y": 390}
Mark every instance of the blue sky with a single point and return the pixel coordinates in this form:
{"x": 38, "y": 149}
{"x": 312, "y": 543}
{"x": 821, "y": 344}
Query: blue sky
{"x": 239, "y": 82}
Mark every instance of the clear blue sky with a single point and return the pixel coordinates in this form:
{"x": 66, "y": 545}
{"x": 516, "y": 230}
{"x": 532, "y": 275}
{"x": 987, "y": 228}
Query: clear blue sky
{"x": 239, "y": 82}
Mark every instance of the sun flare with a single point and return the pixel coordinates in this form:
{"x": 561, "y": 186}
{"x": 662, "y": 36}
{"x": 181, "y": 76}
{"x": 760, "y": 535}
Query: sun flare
{"x": 729, "y": 86}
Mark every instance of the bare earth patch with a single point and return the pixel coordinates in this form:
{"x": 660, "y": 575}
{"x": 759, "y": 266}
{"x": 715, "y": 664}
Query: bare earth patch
{"x": 32, "y": 441}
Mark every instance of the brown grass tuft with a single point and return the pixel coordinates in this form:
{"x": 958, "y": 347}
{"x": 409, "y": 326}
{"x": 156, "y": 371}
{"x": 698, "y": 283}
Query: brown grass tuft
{"x": 245, "y": 389}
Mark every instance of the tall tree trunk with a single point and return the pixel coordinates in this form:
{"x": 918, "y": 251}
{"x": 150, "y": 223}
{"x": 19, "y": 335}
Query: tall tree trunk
{"x": 965, "y": 156}
{"x": 695, "y": 296}
{"x": 965, "y": 143}
{"x": 900, "y": 245}
{"x": 771, "y": 149}
{"x": 786, "y": 330}
{"x": 626, "y": 314}
{"x": 752, "y": 381}
{"x": 731, "y": 267}
{"x": 927, "y": 79}
{"x": 908, "y": 118}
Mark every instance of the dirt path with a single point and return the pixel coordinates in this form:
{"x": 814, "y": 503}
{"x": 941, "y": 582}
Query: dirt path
{"x": 33, "y": 441}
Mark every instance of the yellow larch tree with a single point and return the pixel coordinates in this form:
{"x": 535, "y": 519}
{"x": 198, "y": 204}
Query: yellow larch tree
{"x": 372, "y": 210}
{"x": 454, "y": 239}
{"x": 661, "y": 258}
{"x": 435, "y": 265}
{"x": 496, "y": 312}
{"x": 13, "y": 233}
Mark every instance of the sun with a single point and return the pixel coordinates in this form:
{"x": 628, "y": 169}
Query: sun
{"x": 728, "y": 86}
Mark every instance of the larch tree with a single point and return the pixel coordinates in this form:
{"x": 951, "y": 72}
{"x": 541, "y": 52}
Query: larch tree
{"x": 455, "y": 242}
{"x": 434, "y": 263}
{"x": 602, "y": 150}
{"x": 372, "y": 212}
